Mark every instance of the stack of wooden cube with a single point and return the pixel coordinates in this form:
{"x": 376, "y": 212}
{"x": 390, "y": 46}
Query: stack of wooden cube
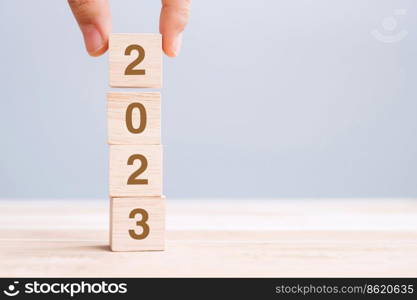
{"x": 137, "y": 208}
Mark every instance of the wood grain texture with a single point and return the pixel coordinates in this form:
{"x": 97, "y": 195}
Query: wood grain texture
{"x": 120, "y": 171}
{"x": 119, "y": 61}
{"x": 117, "y": 106}
{"x": 216, "y": 238}
{"x": 121, "y": 222}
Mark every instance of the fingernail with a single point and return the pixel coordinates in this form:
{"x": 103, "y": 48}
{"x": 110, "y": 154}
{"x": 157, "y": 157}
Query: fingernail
{"x": 177, "y": 44}
{"x": 94, "y": 41}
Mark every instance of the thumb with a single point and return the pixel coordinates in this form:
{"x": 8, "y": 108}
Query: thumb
{"x": 174, "y": 18}
{"x": 93, "y": 17}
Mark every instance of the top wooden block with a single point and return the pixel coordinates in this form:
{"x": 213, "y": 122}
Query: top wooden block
{"x": 135, "y": 60}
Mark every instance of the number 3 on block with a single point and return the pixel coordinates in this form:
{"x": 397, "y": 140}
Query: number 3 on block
{"x": 142, "y": 223}
{"x": 135, "y": 60}
{"x": 137, "y": 223}
{"x": 135, "y": 170}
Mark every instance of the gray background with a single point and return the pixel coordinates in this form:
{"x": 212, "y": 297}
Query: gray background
{"x": 288, "y": 98}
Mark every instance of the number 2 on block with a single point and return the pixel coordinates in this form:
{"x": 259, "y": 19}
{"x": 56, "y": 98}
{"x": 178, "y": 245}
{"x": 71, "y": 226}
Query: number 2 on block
{"x": 133, "y": 179}
{"x": 141, "y": 56}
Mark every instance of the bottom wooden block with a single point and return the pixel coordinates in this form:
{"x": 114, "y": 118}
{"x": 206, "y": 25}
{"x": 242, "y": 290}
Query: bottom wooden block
{"x": 137, "y": 224}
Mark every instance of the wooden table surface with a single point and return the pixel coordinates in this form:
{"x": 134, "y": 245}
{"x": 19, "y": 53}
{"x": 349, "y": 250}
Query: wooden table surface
{"x": 220, "y": 238}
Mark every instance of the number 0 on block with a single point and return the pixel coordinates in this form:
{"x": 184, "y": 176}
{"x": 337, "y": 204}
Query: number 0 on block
{"x": 134, "y": 118}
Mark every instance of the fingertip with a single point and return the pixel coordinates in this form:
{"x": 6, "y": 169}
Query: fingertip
{"x": 95, "y": 40}
{"x": 94, "y": 19}
{"x": 170, "y": 53}
{"x": 172, "y": 44}
{"x": 98, "y": 52}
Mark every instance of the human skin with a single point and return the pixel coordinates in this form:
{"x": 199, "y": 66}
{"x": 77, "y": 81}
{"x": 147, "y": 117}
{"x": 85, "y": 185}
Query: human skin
{"x": 94, "y": 19}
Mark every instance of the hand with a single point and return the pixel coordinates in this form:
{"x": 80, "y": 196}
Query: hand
{"x": 94, "y": 19}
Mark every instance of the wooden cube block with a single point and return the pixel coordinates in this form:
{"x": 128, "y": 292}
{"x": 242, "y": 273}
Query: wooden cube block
{"x": 135, "y": 60}
{"x": 137, "y": 224}
{"x": 135, "y": 170}
{"x": 134, "y": 118}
